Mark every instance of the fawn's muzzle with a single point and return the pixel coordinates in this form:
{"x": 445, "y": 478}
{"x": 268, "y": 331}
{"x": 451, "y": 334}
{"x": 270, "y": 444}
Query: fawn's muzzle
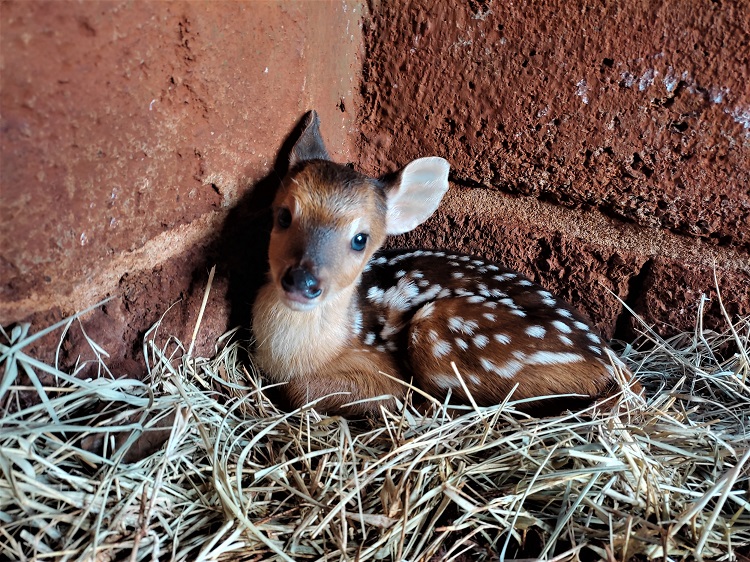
{"x": 300, "y": 281}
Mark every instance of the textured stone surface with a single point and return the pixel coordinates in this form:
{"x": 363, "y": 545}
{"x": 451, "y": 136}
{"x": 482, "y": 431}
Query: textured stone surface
{"x": 130, "y": 129}
{"x": 636, "y": 111}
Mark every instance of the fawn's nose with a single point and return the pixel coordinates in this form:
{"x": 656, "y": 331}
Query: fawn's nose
{"x": 300, "y": 280}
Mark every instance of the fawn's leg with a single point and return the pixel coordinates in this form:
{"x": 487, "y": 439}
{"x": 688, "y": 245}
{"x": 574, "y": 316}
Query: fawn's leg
{"x": 351, "y": 377}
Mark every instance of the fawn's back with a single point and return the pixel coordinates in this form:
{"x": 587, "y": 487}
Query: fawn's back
{"x": 335, "y": 316}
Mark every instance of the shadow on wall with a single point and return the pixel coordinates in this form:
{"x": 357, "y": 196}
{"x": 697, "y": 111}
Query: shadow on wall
{"x": 240, "y": 252}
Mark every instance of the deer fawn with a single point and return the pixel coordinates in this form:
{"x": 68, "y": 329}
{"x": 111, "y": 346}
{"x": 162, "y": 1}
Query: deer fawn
{"x": 334, "y": 315}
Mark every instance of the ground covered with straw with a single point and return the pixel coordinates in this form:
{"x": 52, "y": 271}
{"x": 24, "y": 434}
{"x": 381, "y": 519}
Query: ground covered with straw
{"x": 226, "y": 475}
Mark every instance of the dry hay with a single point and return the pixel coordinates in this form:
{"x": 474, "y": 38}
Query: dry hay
{"x": 238, "y": 479}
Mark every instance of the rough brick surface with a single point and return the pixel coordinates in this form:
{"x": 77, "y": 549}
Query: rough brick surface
{"x": 130, "y": 129}
{"x": 640, "y": 112}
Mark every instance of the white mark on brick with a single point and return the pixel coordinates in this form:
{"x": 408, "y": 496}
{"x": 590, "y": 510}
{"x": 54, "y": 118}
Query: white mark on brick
{"x": 582, "y": 90}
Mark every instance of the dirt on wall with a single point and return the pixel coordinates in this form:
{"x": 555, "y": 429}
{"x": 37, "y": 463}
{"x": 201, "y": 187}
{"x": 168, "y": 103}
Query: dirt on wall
{"x": 635, "y": 114}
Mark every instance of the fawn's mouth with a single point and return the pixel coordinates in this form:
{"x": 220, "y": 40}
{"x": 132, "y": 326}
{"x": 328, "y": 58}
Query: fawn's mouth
{"x": 298, "y": 302}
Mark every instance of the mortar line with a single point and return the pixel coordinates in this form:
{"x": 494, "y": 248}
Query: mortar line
{"x": 594, "y": 228}
{"x": 89, "y": 289}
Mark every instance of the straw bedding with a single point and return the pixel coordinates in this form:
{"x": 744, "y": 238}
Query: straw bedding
{"x": 225, "y": 475}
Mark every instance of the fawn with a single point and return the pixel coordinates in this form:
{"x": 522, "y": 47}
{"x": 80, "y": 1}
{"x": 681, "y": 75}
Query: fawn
{"x": 334, "y": 315}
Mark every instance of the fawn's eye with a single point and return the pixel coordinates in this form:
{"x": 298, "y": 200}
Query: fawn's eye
{"x": 359, "y": 241}
{"x": 284, "y": 217}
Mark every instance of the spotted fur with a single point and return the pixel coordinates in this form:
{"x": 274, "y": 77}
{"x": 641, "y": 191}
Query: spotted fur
{"x": 357, "y": 323}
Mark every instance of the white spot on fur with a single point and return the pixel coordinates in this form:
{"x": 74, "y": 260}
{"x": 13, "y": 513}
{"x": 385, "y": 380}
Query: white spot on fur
{"x": 595, "y": 349}
{"x": 462, "y": 344}
{"x": 564, "y": 313}
{"x": 505, "y": 277}
{"x": 536, "y": 331}
{"x": 553, "y": 358}
{"x": 424, "y": 312}
{"x": 380, "y": 348}
{"x": 489, "y": 316}
{"x": 369, "y": 338}
{"x": 389, "y": 330}
{"x": 441, "y": 348}
{"x": 518, "y": 312}
{"x": 445, "y": 293}
{"x": 562, "y": 326}
{"x": 428, "y": 295}
{"x": 461, "y": 292}
{"x": 581, "y": 326}
{"x": 375, "y": 294}
{"x": 417, "y": 274}
{"x": 525, "y": 283}
{"x": 423, "y": 283}
{"x": 433, "y": 335}
{"x": 490, "y": 304}
{"x": 566, "y": 340}
{"x": 507, "y": 371}
{"x": 508, "y": 302}
{"x": 497, "y": 293}
{"x": 493, "y": 267}
{"x": 445, "y": 381}
{"x": 357, "y": 322}
{"x": 593, "y": 337}
{"x": 400, "y": 296}
{"x": 457, "y": 275}
{"x": 501, "y": 338}
{"x": 477, "y": 262}
{"x": 400, "y": 273}
{"x": 549, "y": 301}
{"x": 465, "y": 258}
{"x": 458, "y": 324}
{"x": 481, "y": 341}
{"x": 454, "y": 264}
{"x": 474, "y": 299}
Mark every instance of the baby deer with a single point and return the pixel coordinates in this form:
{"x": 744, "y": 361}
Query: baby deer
{"x": 334, "y": 315}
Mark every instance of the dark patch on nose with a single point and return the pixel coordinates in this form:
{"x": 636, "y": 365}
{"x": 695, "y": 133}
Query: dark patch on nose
{"x": 300, "y": 280}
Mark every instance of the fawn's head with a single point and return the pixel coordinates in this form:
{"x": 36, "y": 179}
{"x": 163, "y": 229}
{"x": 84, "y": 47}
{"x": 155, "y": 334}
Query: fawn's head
{"x": 329, "y": 219}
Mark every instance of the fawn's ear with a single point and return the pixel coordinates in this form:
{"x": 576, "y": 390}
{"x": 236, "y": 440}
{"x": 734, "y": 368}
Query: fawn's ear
{"x": 415, "y": 193}
{"x": 310, "y": 145}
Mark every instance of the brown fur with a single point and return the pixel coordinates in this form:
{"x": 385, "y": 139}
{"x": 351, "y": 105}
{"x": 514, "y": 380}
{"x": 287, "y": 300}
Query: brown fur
{"x": 407, "y": 314}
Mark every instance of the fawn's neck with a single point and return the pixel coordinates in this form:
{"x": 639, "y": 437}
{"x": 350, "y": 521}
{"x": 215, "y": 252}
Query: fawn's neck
{"x": 294, "y": 343}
